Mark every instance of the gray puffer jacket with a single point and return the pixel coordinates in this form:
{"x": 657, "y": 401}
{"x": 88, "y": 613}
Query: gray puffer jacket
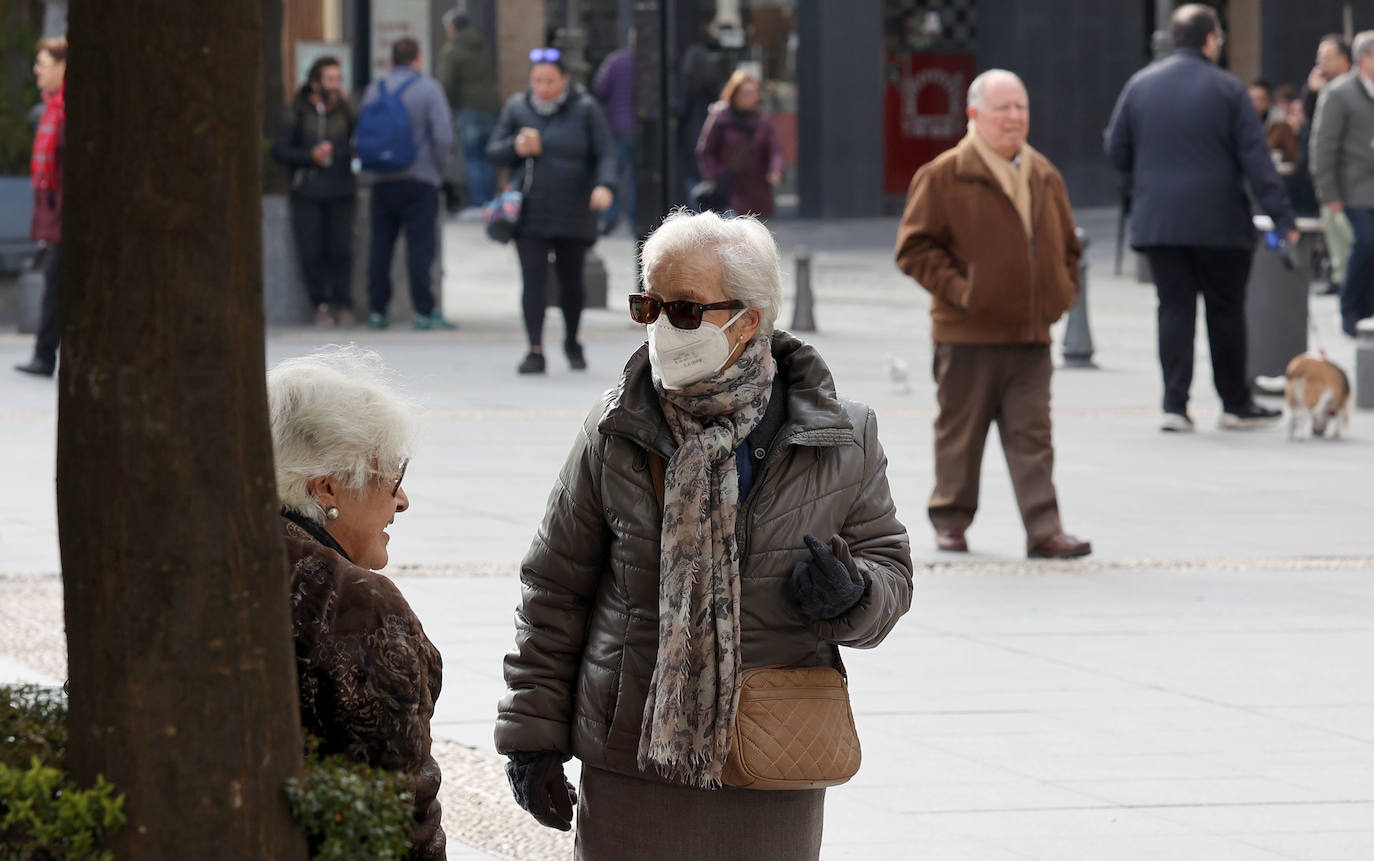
{"x": 578, "y": 155}
{"x": 587, "y": 625}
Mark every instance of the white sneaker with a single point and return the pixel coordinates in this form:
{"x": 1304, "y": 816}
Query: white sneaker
{"x": 1271, "y": 385}
{"x": 1176, "y": 423}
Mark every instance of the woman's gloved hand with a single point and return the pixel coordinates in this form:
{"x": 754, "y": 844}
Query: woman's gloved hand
{"x": 541, "y": 787}
{"x": 829, "y": 584}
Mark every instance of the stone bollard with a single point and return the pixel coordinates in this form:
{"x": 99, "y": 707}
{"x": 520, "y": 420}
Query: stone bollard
{"x": 1364, "y": 365}
{"x": 803, "y": 310}
{"x": 595, "y": 282}
{"x": 31, "y": 287}
{"x": 1078, "y": 337}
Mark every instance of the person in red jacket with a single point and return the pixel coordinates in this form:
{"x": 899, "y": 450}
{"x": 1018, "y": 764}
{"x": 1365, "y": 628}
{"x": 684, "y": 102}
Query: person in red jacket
{"x": 45, "y": 168}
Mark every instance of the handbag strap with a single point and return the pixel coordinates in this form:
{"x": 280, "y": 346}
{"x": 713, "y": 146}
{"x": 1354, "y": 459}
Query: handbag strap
{"x": 528, "y": 177}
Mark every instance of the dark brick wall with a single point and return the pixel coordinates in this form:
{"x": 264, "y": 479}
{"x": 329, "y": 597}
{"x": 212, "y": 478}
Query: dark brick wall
{"x": 1074, "y": 55}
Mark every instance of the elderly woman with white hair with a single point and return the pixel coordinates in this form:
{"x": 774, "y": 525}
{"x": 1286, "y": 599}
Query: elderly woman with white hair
{"x": 679, "y": 553}
{"x": 368, "y": 675}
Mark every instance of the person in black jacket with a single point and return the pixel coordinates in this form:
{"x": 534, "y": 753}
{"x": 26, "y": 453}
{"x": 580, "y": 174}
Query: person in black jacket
{"x": 1188, "y": 137}
{"x": 555, "y": 138}
{"x": 313, "y": 140}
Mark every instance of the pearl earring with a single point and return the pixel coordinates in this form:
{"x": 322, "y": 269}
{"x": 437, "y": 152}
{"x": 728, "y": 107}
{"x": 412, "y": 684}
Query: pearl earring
{"x": 332, "y": 513}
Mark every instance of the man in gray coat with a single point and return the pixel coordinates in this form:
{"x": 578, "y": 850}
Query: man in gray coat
{"x": 1342, "y": 153}
{"x": 1185, "y": 133}
{"x": 409, "y": 198}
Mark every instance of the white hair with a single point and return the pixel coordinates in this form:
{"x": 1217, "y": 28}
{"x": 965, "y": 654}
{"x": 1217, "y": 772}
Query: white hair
{"x": 334, "y": 414}
{"x": 741, "y": 250}
{"x": 980, "y": 83}
{"x": 1363, "y": 44}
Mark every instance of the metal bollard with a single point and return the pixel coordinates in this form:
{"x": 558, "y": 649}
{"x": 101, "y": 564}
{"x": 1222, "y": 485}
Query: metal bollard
{"x": 1364, "y": 365}
{"x": 1078, "y": 337}
{"x": 803, "y": 312}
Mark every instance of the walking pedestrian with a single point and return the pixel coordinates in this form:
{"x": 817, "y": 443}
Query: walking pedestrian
{"x": 367, "y": 673}
{"x": 45, "y": 173}
{"x": 406, "y": 196}
{"x": 989, "y": 231}
{"x": 739, "y": 152}
{"x": 614, "y": 85}
{"x": 680, "y": 551}
{"x": 1333, "y": 61}
{"x": 1188, "y": 136}
{"x": 314, "y": 140}
{"x": 555, "y": 139}
{"x": 468, "y": 74}
{"x": 1343, "y": 171}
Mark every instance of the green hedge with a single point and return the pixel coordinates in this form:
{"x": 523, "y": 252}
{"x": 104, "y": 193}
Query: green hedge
{"x": 350, "y": 812}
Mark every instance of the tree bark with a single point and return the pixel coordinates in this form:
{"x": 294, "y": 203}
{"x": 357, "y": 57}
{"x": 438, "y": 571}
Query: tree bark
{"x": 182, "y": 681}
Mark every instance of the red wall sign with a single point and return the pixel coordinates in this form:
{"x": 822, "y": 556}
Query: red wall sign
{"x": 923, "y": 111}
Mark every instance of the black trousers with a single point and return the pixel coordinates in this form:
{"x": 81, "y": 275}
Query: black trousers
{"x": 324, "y": 243}
{"x": 45, "y": 346}
{"x": 411, "y": 205}
{"x": 1220, "y": 275}
{"x": 568, "y": 257}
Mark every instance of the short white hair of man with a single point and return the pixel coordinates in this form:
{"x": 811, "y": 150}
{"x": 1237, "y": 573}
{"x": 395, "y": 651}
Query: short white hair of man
{"x": 1363, "y": 44}
{"x": 980, "y": 84}
{"x": 333, "y": 413}
{"x": 740, "y": 251}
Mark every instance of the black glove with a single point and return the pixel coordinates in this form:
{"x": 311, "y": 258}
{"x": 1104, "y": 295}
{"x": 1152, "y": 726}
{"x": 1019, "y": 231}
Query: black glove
{"x": 540, "y": 787}
{"x": 829, "y": 584}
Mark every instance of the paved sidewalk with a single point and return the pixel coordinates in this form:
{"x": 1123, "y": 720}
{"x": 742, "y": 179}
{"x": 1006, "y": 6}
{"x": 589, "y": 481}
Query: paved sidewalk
{"x": 1195, "y": 690}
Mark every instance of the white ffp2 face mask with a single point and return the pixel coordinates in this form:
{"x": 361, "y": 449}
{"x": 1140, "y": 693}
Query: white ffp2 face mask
{"x": 681, "y": 357}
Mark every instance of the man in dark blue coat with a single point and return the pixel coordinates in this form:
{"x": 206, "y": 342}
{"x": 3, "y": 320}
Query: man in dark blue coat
{"x": 1185, "y": 133}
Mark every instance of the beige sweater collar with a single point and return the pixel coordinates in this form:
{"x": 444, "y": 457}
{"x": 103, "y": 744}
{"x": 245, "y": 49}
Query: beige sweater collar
{"x": 1013, "y": 176}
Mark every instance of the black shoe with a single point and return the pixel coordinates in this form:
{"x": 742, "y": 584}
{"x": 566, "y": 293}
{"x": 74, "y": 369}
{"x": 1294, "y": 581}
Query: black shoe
{"x": 37, "y": 368}
{"x": 533, "y": 364}
{"x": 1251, "y": 415}
{"x": 576, "y": 360}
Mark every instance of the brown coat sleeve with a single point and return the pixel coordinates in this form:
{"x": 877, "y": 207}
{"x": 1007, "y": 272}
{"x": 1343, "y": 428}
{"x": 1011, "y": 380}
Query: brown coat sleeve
{"x": 368, "y": 677}
{"x": 925, "y": 241}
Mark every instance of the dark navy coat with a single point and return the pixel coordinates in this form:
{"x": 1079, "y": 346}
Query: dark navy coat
{"x": 1185, "y": 134}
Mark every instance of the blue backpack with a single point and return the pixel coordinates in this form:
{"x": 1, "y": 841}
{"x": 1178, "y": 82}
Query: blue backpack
{"x": 383, "y": 138}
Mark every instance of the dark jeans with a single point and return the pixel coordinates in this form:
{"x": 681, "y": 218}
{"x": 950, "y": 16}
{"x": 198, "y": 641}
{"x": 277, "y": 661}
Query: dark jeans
{"x": 568, "y": 257}
{"x": 1220, "y": 275}
{"x": 414, "y": 206}
{"x": 626, "y": 165}
{"x": 324, "y": 243}
{"x": 49, "y": 332}
{"x": 474, "y": 130}
{"x": 1357, "y": 293}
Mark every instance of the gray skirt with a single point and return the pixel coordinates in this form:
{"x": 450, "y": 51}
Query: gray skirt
{"x": 623, "y": 818}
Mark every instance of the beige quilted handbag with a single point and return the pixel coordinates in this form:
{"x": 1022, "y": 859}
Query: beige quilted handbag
{"x": 793, "y": 730}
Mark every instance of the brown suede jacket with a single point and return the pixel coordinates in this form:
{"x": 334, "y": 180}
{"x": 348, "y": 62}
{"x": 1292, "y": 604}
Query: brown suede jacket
{"x": 962, "y": 240}
{"x": 368, "y": 675}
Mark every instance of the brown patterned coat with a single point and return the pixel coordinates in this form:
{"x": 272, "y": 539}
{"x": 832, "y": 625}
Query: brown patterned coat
{"x": 368, "y": 675}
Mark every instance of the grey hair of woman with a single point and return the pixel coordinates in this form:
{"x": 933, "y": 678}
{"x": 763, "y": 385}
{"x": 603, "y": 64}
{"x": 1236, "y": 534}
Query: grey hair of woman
{"x": 980, "y": 83}
{"x": 334, "y": 413}
{"x": 740, "y": 251}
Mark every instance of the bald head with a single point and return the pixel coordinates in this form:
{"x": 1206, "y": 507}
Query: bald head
{"x": 999, "y": 107}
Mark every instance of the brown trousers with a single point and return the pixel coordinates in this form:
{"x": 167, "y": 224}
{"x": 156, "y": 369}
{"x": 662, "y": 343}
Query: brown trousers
{"x": 977, "y": 385}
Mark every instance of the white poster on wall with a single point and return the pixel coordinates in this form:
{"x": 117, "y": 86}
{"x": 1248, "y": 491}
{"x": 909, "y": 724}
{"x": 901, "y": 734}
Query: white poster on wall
{"x": 396, "y": 19}
{"x": 307, "y": 52}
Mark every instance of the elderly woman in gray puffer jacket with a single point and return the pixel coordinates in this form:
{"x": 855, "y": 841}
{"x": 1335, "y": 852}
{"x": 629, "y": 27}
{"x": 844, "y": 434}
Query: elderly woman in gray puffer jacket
{"x": 555, "y": 139}
{"x": 636, "y": 621}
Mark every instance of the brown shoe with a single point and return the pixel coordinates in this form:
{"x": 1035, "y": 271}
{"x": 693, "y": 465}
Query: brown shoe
{"x": 346, "y": 317}
{"x": 1060, "y": 546}
{"x": 951, "y": 541}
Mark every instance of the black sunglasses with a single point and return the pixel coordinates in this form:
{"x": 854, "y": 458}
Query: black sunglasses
{"x": 681, "y": 313}
{"x": 545, "y": 55}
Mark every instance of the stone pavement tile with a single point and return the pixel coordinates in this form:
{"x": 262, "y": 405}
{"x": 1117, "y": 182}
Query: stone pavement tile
{"x": 1201, "y": 792}
{"x": 1353, "y": 719}
{"x": 1069, "y": 846}
{"x": 1296, "y": 820}
{"x": 1354, "y": 846}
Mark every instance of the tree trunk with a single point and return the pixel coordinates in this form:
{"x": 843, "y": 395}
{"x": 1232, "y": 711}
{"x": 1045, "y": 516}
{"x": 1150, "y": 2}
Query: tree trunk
{"x": 181, "y": 668}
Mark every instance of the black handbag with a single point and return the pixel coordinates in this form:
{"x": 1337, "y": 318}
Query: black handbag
{"x": 502, "y": 213}
{"x": 712, "y": 194}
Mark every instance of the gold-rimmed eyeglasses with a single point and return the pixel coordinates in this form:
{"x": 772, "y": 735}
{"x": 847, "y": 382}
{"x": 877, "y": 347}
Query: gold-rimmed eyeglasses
{"x": 396, "y": 487}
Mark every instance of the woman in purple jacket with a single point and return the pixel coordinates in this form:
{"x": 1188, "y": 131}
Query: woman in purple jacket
{"x": 738, "y": 149}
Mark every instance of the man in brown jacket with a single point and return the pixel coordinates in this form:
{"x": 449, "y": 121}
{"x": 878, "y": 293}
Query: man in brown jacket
{"x": 989, "y": 232}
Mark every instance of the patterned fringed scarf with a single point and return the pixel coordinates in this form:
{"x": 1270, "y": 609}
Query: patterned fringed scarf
{"x": 695, "y": 686}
